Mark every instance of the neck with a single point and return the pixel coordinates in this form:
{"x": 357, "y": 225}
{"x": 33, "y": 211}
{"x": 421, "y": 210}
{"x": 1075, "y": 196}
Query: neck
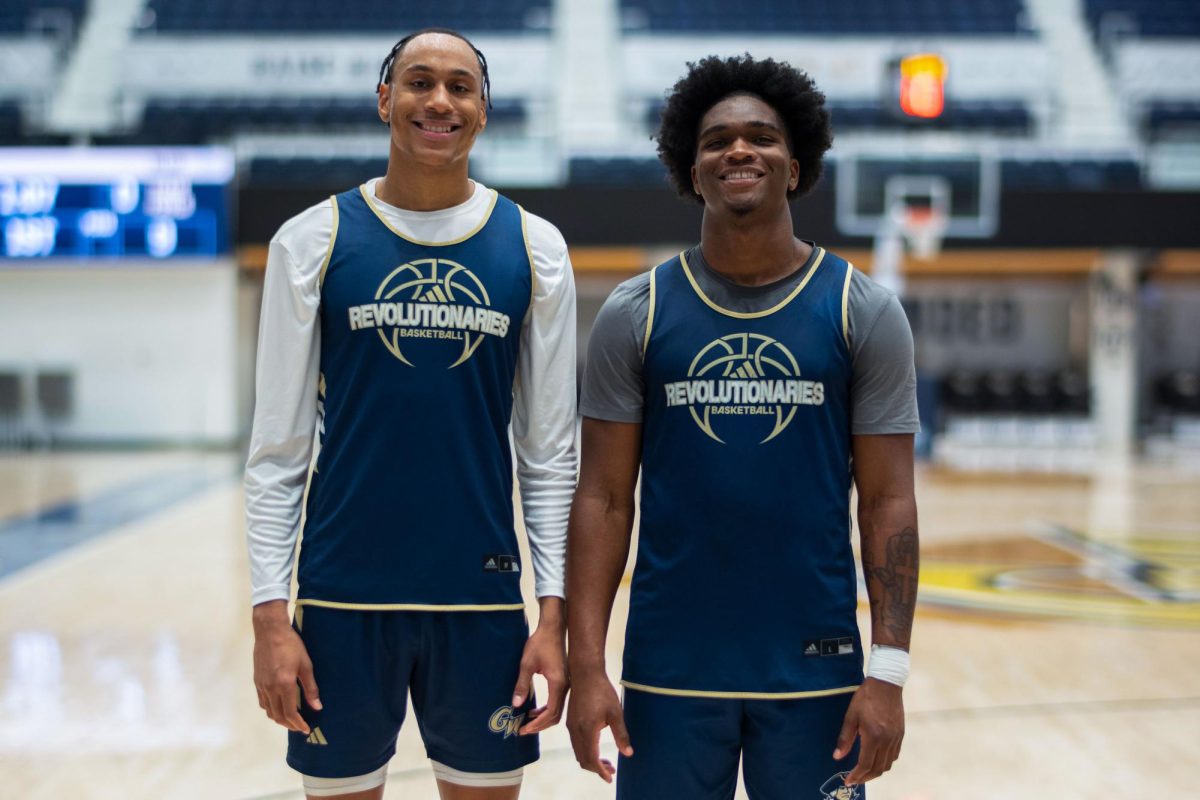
{"x": 416, "y": 187}
{"x": 754, "y": 249}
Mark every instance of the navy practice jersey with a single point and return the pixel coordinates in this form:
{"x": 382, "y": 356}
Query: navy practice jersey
{"x": 745, "y": 581}
{"x": 410, "y": 503}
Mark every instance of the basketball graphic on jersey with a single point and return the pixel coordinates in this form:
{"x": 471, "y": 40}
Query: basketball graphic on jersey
{"x": 432, "y": 306}
{"x": 746, "y": 386}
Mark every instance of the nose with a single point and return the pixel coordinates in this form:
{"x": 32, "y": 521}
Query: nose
{"x": 438, "y": 100}
{"x": 740, "y": 150}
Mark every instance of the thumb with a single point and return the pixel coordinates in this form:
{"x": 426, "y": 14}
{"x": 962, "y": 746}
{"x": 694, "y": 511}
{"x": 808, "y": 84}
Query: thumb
{"x": 846, "y": 738}
{"x": 309, "y": 684}
{"x": 620, "y": 734}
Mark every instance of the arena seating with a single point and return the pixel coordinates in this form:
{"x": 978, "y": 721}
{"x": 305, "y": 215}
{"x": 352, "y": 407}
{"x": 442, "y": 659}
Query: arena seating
{"x": 360, "y": 16}
{"x": 10, "y": 123}
{"x": 886, "y": 17}
{"x": 1178, "y": 392}
{"x": 1148, "y": 18}
{"x": 202, "y": 120}
{"x": 1002, "y": 117}
{"x": 1008, "y": 392}
{"x": 23, "y": 16}
{"x": 1071, "y": 173}
{"x": 1163, "y": 118}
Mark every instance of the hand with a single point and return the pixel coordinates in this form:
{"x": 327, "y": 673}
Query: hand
{"x": 280, "y": 662}
{"x": 876, "y": 714}
{"x": 594, "y": 706}
{"x": 546, "y": 654}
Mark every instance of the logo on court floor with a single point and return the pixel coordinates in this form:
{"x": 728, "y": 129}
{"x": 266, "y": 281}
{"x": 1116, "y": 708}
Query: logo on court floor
{"x": 1146, "y": 578}
{"x": 747, "y": 384}
{"x": 504, "y": 721}
{"x": 436, "y": 301}
{"x": 836, "y": 789}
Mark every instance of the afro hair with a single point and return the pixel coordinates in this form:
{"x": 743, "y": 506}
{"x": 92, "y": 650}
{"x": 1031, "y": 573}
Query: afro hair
{"x": 786, "y": 89}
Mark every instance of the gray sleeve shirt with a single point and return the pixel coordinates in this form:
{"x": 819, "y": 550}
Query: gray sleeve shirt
{"x": 883, "y": 388}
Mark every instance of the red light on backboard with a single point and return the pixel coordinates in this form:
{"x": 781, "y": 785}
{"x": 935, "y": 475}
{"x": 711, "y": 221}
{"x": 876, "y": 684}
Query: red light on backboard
{"x": 923, "y": 85}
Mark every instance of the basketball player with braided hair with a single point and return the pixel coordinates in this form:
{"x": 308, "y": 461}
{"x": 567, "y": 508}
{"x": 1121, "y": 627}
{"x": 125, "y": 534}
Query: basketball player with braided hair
{"x": 406, "y": 324}
{"x": 753, "y": 379}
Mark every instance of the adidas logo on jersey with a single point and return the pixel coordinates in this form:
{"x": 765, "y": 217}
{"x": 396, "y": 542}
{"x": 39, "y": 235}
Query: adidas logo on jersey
{"x": 316, "y": 737}
{"x": 501, "y": 563}
{"x": 811, "y": 649}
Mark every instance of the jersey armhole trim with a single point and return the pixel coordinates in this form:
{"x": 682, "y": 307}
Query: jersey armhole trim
{"x": 332, "y": 241}
{"x": 752, "y": 314}
{"x": 409, "y": 606}
{"x": 649, "y": 314}
{"x": 846, "y": 305}
{"x": 641, "y": 687}
{"x": 529, "y": 253}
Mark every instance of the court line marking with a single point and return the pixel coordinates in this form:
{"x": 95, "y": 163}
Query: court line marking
{"x": 30, "y": 538}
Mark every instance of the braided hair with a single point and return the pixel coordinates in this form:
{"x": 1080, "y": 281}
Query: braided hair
{"x": 385, "y": 69}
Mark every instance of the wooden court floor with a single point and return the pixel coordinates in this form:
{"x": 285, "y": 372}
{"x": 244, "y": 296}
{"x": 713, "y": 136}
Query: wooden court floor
{"x": 1056, "y": 649}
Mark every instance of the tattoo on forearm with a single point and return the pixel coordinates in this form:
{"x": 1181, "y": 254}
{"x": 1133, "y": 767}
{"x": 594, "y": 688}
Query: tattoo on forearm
{"x": 895, "y": 590}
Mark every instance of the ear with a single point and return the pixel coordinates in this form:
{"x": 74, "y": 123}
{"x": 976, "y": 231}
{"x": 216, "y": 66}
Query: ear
{"x": 482, "y": 114}
{"x": 793, "y": 174}
{"x": 385, "y": 102}
{"x": 695, "y": 183}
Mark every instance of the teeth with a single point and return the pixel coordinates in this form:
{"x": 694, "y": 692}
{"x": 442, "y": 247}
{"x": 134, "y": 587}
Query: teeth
{"x": 737, "y": 176}
{"x": 437, "y": 128}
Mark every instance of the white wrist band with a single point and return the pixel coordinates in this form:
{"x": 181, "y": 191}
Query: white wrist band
{"x": 888, "y": 664}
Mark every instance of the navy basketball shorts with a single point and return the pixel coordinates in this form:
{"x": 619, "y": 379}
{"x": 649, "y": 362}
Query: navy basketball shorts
{"x": 690, "y": 747}
{"x": 460, "y": 666}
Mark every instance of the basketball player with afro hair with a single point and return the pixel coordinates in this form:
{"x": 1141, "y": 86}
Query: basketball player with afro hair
{"x": 405, "y": 322}
{"x": 753, "y": 379}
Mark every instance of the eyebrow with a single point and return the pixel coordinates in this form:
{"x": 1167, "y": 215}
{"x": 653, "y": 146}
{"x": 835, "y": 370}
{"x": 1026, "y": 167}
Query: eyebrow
{"x": 751, "y": 124}
{"x": 426, "y": 68}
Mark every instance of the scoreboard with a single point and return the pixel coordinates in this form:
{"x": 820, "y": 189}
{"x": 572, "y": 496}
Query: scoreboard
{"x": 114, "y": 202}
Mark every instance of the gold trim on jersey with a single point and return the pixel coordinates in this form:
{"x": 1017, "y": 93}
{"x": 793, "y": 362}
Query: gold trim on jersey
{"x": 738, "y": 695}
{"x": 375, "y": 209}
{"x": 528, "y": 252}
{"x": 846, "y": 304}
{"x": 409, "y": 606}
{"x": 649, "y": 315}
{"x": 299, "y": 618}
{"x": 751, "y": 314}
{"x": 332, "y": 239}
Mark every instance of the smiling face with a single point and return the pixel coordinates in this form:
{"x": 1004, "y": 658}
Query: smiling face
{"x": 434, "y": 103}
{"x": 743, "y": 161}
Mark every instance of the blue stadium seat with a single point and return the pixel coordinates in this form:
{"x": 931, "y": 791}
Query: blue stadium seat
{"x": 363, "y": 16}
{"x": 588, "y": 171}
{"x": 196, "y": 121}
{"x": 19, "y": 16}
{"x": 959, "y": 17}
{"x": 1009, "y": 117}
{"x": 1150, "y": 18}
{"x": 10, "y": 123}
{"x": 1163, "y": 118}
{"x": 1077, "y": 174}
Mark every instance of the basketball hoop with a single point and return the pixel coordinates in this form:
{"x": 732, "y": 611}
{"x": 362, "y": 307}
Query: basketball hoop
{"x": 923, "y": 228}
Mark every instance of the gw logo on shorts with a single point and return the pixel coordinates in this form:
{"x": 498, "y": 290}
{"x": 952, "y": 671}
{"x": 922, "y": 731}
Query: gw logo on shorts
{"x": 750, "y": 381}
{"x": 431, "y": 299}
{"x": 503, "y": 721}
{"x": 836, "y": 789}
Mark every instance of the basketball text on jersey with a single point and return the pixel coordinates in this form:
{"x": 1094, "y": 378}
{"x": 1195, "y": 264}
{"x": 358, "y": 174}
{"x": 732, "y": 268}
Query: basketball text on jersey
{"x": 504, "y": 721}
{"x": 752, "y": 374}
{"x": 424, "y": 299}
